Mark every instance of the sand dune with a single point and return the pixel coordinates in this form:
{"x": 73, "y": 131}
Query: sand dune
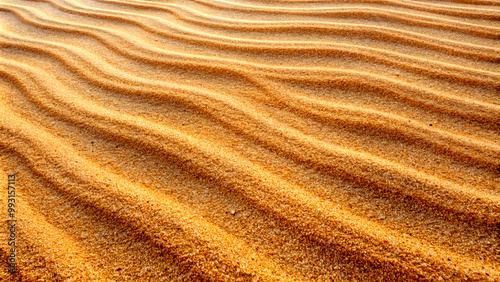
{"x": 251, "y": 140}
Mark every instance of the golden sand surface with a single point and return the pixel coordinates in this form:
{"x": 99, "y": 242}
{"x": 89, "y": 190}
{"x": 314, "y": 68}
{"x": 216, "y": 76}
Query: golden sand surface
{"x": 251, "y": 140}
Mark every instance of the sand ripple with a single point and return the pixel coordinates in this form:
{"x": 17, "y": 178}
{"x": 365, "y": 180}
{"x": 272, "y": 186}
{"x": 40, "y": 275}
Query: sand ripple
{"x": 296, "y": 140}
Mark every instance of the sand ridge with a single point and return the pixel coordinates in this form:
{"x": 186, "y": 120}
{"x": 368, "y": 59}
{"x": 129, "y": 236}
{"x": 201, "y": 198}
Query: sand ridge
{"x": 249, "y": 140}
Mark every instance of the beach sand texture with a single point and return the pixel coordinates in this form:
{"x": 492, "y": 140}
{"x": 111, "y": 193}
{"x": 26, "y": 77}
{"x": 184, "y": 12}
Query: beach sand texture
{"x": 251, "y": 140}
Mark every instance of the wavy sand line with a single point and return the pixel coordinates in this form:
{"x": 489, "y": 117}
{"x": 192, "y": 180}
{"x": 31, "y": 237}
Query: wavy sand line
{"x": 235, "y": 140}
{"x": 481, "y": 106}
{"x": 398, "y": 171}
{"x": 407, "y": 18}
{"x": 115, "y": 198}
{"x": 478, "y": 146}
{"x": 370, "y": 31}
{"x": 231, "y": 104}
{"x": 121, "y": 209}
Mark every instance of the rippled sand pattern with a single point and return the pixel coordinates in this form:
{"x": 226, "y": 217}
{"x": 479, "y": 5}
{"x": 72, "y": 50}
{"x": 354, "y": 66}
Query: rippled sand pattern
{"x": 251, "y": 140}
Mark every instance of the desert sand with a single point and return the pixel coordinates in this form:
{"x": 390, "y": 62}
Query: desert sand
{"x": 250, "y": 140}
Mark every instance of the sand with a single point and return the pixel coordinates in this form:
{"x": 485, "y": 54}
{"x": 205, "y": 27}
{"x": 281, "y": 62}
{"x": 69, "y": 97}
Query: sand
{"x": 250, "y": 140}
